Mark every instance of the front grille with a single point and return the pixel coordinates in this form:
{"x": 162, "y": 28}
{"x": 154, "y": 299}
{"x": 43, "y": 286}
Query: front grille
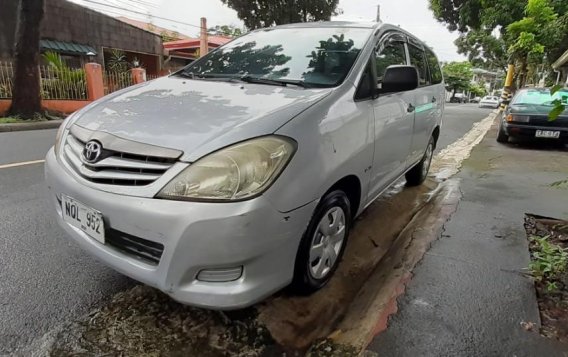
{"x": 115, "y": 168}
{"x": 145, "y": 250}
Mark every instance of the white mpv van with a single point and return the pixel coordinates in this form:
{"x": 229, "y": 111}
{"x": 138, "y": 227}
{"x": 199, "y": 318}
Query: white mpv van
{"x": 243, "y": 172}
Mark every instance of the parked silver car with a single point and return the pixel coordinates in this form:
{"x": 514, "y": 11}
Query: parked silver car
{"x": 243, "y": 172}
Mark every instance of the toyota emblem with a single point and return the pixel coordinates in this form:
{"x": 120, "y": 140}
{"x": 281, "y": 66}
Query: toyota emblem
{"x": 92, "y": 151}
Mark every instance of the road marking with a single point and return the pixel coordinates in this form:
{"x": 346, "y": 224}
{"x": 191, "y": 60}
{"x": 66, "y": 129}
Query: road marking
{"x": 24, "y": 163}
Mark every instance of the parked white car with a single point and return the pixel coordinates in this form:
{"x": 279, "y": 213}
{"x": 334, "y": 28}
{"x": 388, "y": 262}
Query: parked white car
{"x": 244, "y": 172}
{"x": 489, "y": 102}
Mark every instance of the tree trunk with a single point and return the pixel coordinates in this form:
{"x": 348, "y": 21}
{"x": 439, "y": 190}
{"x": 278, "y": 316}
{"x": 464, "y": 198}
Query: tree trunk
{"x": 523, "y": 73}
{"x": 454, "y": 93}
{"x": 26, "y": 98}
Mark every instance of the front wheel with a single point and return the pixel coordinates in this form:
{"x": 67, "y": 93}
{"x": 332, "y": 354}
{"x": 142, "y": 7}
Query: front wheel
{"x": 418, "y": 173}
{"x": 323, "y": 243}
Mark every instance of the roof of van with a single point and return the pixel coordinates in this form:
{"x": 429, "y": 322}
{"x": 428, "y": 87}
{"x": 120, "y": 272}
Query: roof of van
{"x": 346, "y": 24}
{"x": 333, "y": 24}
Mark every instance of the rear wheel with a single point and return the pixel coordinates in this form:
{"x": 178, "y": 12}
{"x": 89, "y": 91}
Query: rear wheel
{"x": 323, "y": 243}
{"x": 418, "y": 173}
{"x": 502, "y": 136}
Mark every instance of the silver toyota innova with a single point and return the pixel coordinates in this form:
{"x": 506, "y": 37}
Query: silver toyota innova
{"x": 243, "y": 172}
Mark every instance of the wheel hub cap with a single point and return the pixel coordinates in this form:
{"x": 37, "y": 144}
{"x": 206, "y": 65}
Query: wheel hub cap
{"x": 327, "y": 242}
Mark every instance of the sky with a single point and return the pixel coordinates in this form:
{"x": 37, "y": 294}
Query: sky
{"x": 411, "y": 15}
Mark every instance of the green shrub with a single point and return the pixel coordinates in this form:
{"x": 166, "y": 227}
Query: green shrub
{"x": 549, "y": 261}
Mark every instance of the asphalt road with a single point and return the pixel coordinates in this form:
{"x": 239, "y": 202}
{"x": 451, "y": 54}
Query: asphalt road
{"x": 45, "y": 279}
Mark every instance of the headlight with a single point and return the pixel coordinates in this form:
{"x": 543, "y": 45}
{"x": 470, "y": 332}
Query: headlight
{"x": 234, "y": 173}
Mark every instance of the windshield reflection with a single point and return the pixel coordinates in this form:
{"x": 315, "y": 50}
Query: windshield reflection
{"x": 320, "y": 57}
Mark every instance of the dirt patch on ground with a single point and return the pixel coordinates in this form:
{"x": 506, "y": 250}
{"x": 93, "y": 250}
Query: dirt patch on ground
{"x": 145, "y": 322}
{"x": 548, "y": 239}
{"x": 297, "y": 321}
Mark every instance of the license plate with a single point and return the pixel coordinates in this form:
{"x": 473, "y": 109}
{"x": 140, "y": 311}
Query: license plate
{"x": 549, "y": 134}
{"x": 83, "y": 217}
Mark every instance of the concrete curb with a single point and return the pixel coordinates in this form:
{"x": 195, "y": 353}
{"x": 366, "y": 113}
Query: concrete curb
{"x": 50, "y": 124}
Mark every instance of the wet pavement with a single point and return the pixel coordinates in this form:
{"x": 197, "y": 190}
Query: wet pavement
{"x": 470, "y": 295}
{"x": 60, "y": 300}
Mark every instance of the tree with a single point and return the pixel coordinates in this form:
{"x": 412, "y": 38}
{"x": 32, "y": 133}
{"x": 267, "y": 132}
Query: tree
{"x": 483, "y": 49}
{"x": 26, "y": 96}
{"x": 477, "y": 90}
{"x": 497, "y": 32}
{"x": 264, "y": 13}
{"x": 227, "y": 30}
{"x": 531, "y": 35}
{"x": 169, "y": 36}
{"x": 457, "y": 76}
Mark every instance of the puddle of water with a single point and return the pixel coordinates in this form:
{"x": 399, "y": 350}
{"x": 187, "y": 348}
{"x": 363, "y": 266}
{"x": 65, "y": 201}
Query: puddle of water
{"x": 143, "y": 321}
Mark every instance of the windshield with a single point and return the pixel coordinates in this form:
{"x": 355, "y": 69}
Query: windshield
{"x": 320, "y": 57}
{"x": 539, "y": 97}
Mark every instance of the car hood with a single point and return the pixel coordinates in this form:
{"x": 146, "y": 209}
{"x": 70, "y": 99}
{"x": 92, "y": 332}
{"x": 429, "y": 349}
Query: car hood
{"x": 536, "y": 110}
{"x": 197, "y": 116}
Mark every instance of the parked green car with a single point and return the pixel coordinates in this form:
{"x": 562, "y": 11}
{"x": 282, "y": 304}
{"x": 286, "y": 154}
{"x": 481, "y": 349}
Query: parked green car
{"x": 527, "y": 116}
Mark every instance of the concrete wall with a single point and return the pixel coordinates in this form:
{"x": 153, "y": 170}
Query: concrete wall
{"x": 66, "y": 21}
{"x": 8, "y": 20}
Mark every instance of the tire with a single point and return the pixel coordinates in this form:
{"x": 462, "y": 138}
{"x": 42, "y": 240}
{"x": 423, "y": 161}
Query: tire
{"x": 419, "y": 172}
{"x": 315, "y": 262}
{"x": 502, "y": 137}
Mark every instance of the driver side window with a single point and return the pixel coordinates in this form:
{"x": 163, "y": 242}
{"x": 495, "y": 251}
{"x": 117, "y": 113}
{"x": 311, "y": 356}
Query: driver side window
{"x": 390, "y": 52}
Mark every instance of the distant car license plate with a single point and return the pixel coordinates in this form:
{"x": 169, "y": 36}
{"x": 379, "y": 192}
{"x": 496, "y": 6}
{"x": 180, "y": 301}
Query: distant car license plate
{"x": 549, "y": 134}
{"x": 83, "y": 217}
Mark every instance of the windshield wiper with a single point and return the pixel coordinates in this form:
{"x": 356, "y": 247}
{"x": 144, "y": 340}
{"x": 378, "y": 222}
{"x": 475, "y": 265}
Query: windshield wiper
{"x": 277, "y": 82}
{"x": 213, "y": 76}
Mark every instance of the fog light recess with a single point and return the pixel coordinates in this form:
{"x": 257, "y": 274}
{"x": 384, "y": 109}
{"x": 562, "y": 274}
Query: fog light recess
{"x": 220, "y": 275}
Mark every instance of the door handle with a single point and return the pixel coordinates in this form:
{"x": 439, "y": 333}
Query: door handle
{"x": 433, "y": 99}
{"x": 410, "y": 108}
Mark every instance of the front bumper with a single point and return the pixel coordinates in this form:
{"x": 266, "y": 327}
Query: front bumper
{"x": 525, "y": 131}
{"x": 196, "y": 236}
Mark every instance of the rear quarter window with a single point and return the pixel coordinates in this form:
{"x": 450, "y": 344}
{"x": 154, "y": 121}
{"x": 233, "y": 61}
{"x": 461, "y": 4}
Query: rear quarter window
{"x": 436, "y": 76}
{"x": 418, "y": 60}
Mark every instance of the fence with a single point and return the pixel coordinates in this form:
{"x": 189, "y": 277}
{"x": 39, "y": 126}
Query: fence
{"x": 113, "y": 81}
{"x": 65, "y": 90}
{"x": 6, "y": 79}
{"x": 150, "y": 77}
{"x": 63, "y": 84}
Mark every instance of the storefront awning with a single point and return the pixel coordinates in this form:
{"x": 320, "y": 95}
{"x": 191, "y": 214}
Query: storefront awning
{"x": 67, "y": 47}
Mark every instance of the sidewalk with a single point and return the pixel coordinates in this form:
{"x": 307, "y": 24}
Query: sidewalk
{"x": 468, "y": 296}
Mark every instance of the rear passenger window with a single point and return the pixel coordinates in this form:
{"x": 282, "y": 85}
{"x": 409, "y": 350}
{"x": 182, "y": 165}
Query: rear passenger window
{"x": 418, "y": 60}
{"x": 435, "y": 71}
{"x": 389, "y": 53}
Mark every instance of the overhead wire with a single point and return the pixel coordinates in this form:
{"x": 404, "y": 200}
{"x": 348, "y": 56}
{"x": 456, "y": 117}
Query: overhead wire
{"x": 147, "y": 15}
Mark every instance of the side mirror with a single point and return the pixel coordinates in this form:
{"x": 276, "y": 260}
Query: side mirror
{"x": 399, "y": 79}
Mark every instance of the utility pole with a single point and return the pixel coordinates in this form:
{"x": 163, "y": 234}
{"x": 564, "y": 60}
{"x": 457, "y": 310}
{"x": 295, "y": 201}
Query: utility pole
{"x": 379, "y": 13}
{"x": 203, "y": 41}
{"x": 506, "y": 95}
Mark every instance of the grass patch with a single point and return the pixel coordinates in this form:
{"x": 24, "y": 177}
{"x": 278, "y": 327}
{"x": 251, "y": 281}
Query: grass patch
{"x": 12, "y": 120}
{"x": 548, "y": 245}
